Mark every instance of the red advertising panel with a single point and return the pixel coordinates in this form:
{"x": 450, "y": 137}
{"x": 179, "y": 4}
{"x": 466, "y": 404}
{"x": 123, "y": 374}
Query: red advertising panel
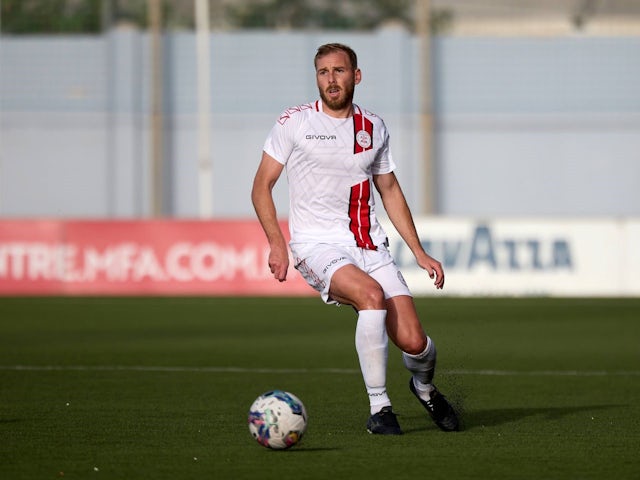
{"x": 139, "y": 258}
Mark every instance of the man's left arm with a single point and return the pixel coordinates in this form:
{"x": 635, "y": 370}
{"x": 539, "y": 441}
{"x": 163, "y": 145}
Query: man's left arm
{"x": 400, "y": 215}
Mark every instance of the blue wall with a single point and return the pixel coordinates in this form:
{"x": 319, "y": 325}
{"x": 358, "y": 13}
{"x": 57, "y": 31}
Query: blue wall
{"x": 544, "y": 126}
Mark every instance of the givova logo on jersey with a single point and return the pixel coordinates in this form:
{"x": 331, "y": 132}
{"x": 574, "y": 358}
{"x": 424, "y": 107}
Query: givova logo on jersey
{"x": 320, "y": 137}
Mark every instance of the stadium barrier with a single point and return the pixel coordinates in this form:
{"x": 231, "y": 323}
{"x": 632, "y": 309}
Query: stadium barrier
{"x": 549, "y": 257}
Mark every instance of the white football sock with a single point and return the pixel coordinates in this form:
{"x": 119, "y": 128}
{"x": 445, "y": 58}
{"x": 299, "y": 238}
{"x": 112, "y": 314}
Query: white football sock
{"x": 422, "y": 366}
{"x": 372, "y": 347}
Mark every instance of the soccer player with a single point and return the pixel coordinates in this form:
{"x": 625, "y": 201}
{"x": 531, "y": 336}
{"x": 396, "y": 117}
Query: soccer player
{"x": 335, "y": 152}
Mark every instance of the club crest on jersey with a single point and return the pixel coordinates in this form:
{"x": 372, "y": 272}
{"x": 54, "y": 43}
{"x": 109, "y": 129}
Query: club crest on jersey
{"x": 363, "y": 133}
{"x": 363, "y": 139}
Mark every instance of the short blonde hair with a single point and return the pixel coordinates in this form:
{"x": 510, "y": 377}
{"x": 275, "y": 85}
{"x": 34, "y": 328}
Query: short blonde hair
{"x": 336, "y": 47}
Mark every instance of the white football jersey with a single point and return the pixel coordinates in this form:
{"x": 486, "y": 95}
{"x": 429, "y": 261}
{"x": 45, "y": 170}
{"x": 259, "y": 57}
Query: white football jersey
{"x": 330, "y": 163}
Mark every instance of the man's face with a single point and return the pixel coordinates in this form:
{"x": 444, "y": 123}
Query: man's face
{"x": 336, "y": 80}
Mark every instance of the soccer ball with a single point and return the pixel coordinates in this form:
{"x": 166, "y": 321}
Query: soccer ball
{"x": 277, "y": 419}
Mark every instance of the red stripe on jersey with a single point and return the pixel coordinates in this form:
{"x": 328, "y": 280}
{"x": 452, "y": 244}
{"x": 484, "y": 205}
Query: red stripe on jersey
{"x": 317, "y": 105}
{"x": 362, "y": 133}
{"x": 359, "y": 215}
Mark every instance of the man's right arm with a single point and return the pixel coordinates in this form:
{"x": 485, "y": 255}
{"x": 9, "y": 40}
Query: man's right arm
{"x": 262, "y": 197}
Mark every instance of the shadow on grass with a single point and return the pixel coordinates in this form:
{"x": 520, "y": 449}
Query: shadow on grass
{"x": 303, "y": 449}
{"x": 494, "y": 417}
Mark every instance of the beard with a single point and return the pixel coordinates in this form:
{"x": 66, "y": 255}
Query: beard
{"x": 340, "y": 103}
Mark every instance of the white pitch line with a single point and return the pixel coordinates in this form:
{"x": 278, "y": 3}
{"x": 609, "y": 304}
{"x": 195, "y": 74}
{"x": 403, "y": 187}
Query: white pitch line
{"x": 342, "y": 371}
{"x": 143, "y": 368}
{"x": 546, "y": 373}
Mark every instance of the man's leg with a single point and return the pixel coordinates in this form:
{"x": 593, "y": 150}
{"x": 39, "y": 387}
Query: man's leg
{"x": 419, "y": 356}
{"x": 350, "y": 285}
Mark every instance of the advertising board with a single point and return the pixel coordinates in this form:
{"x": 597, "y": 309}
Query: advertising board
{"x": 505, "y": 257}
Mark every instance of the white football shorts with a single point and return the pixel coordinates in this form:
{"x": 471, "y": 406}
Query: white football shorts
{"x": 318, "y": 262}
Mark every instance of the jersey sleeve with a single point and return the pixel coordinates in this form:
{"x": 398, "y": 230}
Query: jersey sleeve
{"x": 383, "y": 162}
{"x": 279, "y": 143}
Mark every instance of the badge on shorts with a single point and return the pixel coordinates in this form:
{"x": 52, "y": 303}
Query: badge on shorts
{"x": 363, "y": 139}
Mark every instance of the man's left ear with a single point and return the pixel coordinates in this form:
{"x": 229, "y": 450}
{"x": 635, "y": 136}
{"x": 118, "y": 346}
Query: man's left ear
{"x": 358, "y": 76}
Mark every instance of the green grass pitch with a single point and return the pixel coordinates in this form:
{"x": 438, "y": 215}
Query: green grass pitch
{"x": 159, "y": 388}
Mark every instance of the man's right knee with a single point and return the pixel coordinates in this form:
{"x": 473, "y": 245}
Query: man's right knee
{"x": 372, "y": 297}
{"x": 359, "y": 290}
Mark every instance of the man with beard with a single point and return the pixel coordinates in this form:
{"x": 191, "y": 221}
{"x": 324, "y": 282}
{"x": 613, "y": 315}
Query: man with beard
{"x": 334, "y": 152}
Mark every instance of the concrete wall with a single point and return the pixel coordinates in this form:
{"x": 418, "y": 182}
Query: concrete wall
{"x": 539, "y": 126}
